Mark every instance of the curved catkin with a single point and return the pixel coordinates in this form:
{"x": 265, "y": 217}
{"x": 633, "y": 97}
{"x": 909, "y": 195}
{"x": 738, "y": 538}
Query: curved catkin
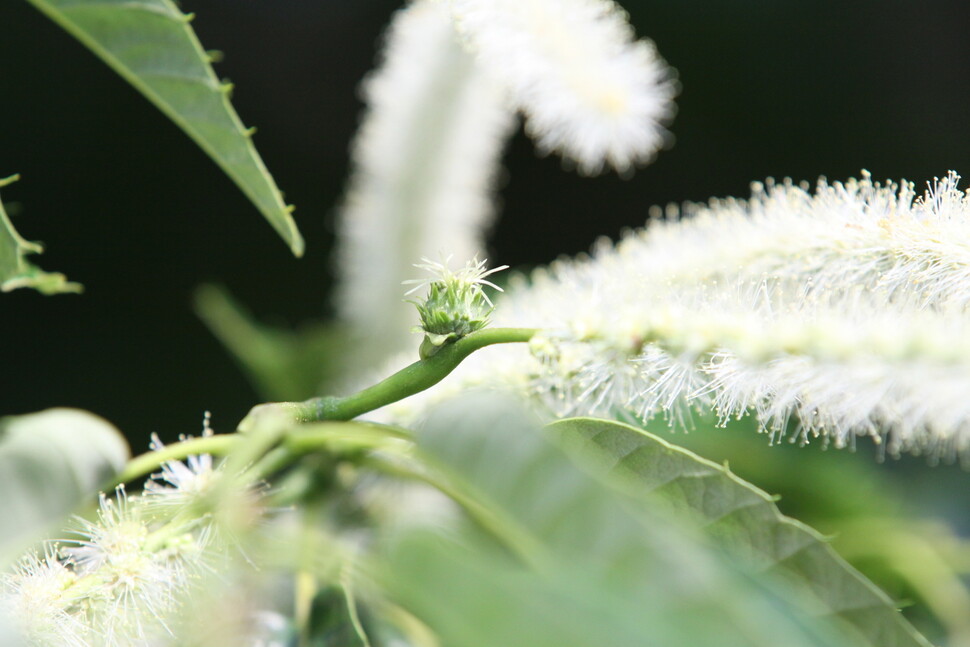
{"x": 835, "y": 313}
{"x": 424, "y": 162}
{"x": 588, "y": 89}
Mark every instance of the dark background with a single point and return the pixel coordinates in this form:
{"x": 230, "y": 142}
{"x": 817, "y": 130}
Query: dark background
{"x": 128, "y": 206}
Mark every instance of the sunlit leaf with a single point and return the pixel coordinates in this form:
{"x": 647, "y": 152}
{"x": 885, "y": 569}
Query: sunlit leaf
{"x": 738, "y": 517}
{"x": 15, "y": 271}
{"x": 50, "y": 462}
{"x": 152, "y": 46}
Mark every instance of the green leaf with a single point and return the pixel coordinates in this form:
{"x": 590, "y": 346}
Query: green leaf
{"x": 15, "y": 271}
{"x": 477, "y": 599}
{"x": 739, "y": 517}
{"x": 151, "y": 45}
{"x": 50, "y": 462}
{"x": 282, "y": 364}
{"x": 606, "y": 575}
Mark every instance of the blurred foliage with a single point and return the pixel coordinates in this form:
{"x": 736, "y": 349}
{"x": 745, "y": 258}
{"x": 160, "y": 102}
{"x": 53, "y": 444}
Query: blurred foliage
{"x": 281, "y": 363}
{"x": 51, "y": 463}
{"x": 885, "y": 515}
{"x": 739, "y": 518}
{"x": 603, "y": 572}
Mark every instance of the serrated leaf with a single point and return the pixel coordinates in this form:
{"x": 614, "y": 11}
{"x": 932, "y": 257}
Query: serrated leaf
{"x": 15, "y": 271}
{"x": 152, "y": 46}
{"x": 607, "y": 575}
{"x": 50, "y": 462}
{"x": 739, "y": 517}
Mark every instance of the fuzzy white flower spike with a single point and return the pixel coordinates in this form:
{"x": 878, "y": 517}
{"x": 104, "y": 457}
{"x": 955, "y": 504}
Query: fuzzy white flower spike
{"x": 424, "y": 159}
{"x": 837, "y": 313}
{"x": 589, "y": 90}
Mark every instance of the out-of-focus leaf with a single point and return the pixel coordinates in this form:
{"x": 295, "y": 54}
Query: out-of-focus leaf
{"x": 151, "y": 45}
{"x": 50, "y": 462}
{"x": 739, "y": 517}
{"x": 889, "y": 520}
{"x": 606, "y": 576}
{"x": 281, "y": 364}
{"x": 15, "y": 271}
{"x": 812, "y": 479}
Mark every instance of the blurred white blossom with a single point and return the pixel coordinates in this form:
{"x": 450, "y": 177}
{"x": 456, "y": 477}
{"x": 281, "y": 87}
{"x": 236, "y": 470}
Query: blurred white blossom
{"x": 181, "y": 483}
{"x": 588, "y": 88}
{"x": 36, "y": 598}
{"x": 130, "y": 575}
{"x": 138, "y": 575}
{"x": 857, "y": 233}
{"x": 118, "y": 581}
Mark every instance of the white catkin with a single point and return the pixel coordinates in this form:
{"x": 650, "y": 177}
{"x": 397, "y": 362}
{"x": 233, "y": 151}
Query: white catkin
{"x": 842, "y": 312}
{"x": 589, "y": 90}
{"x": 424, "y": 163}
{"x": 843, "y": 234}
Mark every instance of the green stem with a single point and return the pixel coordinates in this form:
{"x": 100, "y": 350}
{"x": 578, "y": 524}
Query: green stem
{"x": 338, "y": 436}
{"x": 275, "y": 460}
{"x": 415, "y": 378}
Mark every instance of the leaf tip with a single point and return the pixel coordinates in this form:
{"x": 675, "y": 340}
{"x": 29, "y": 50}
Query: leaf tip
{"x": 297, "y": 246}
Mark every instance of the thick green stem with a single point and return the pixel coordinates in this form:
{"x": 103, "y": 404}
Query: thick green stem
{"x": 337, "y": 436}
{"x": 413, "y": 379}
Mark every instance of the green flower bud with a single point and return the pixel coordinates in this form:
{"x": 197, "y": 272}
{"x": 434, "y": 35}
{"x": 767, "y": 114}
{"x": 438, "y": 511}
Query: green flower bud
{"x": 456, "y": 304}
